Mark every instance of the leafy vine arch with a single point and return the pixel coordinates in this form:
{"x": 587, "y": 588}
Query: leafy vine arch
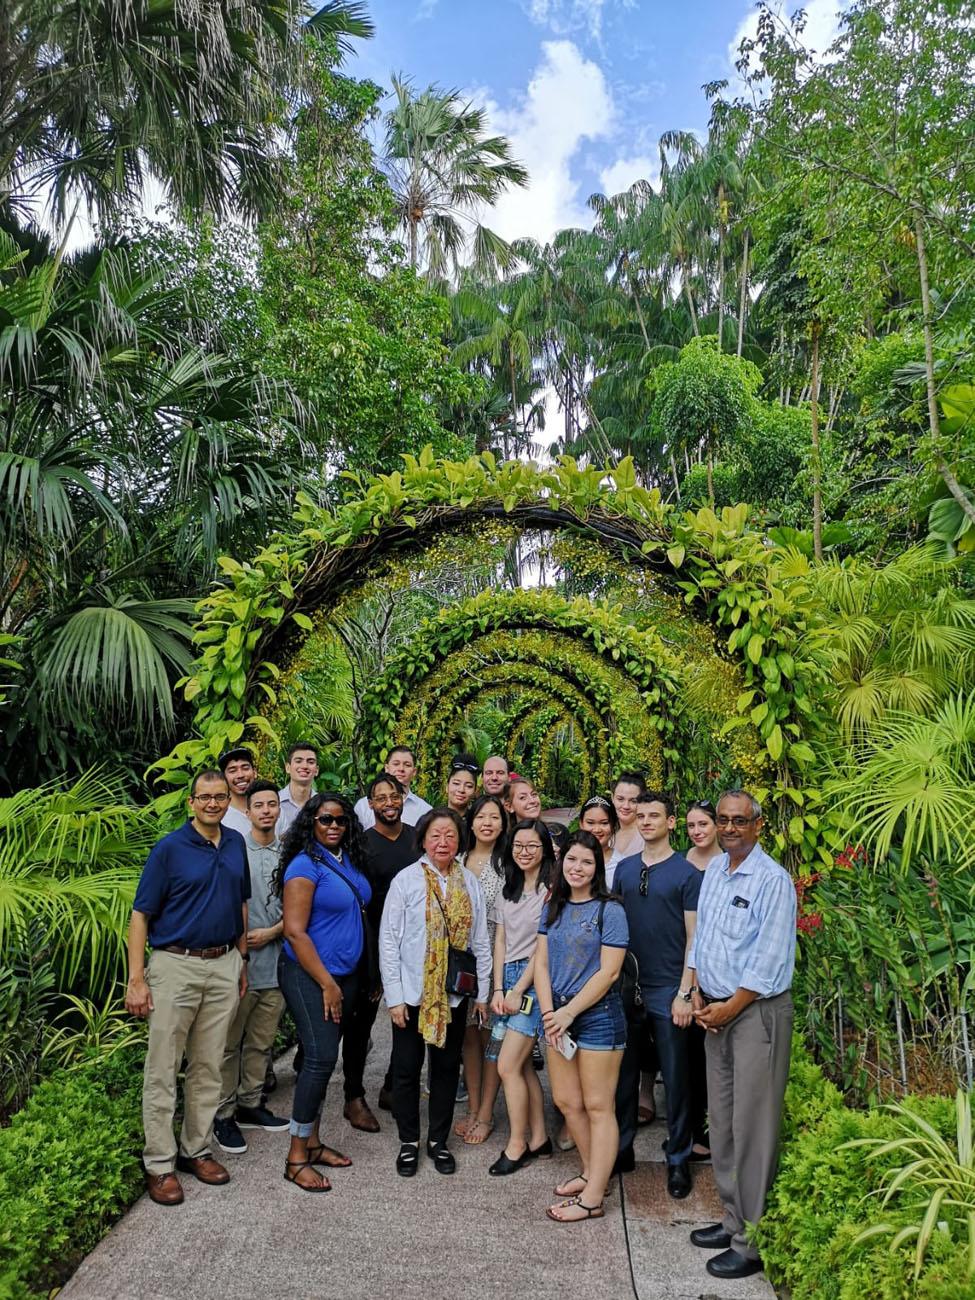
{"x": 753, "y": 595}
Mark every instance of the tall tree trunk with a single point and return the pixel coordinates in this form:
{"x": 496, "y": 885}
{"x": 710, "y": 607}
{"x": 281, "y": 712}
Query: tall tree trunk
{"x": 673, "y": 470}
{"x": 743, "y": 296}
{"x": 816, "y": 462}
{"x": 721, "y": 225}
{"x": 514, "y": 396}
{"x": 934, "y": 417}
{"x": 414, "y": 244}
{"x": 568, "y": 405}
{"x": 690, "y": 298}
{"x": 710, "y": 478}
{"x": 636, "y": 304}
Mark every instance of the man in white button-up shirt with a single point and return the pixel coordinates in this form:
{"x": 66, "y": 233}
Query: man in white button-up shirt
{"x": 401, "y": 764}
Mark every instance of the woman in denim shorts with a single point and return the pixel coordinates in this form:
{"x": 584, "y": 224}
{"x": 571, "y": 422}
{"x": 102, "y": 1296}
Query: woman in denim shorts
{"x": 529, "y": 863}
{"x": 582, "y": 941}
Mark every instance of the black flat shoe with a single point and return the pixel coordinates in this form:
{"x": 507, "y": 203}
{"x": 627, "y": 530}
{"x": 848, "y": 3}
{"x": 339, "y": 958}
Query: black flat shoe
{"x": 678, "y": 1180}
{"x": 544, "y": 1152}
{"x": 443, "y": 1161}
{"x": 730, "y": 1264}
{"x": 625, "y": 1162}
{"x": 713, "y": 1237}
{"x": 407, "y": 1160}
{"x": 505, "y": 1165}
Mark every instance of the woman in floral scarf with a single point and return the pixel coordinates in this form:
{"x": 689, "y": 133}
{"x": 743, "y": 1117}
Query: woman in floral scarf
{"x": 432, "y": 906}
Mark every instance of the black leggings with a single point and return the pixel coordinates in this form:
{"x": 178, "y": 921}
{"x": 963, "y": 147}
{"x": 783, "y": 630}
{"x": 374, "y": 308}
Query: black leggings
{"x": 318, "y": 1039}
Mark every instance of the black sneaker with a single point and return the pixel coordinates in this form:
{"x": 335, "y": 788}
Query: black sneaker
{"x": 228, "y": 1136}
{"x": 260, "y": 1117}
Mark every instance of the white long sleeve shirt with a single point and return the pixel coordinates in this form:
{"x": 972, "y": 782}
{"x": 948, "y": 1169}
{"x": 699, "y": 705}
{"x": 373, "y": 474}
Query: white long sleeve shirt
{"x": 403, "y": 936}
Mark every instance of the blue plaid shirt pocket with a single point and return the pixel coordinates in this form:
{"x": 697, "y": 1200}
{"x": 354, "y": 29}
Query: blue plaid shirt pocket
{"x": 738, "y": 917}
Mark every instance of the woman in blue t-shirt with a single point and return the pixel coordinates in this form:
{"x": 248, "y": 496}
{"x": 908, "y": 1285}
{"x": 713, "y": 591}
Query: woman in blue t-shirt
{"x": 325, "y": 892}
{"x": 582, "y": 940}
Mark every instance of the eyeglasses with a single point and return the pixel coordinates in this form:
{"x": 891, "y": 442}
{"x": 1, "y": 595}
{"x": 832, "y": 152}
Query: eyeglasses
{"x": 739, "y": 823}
{"x": 210, "y": 798}
{"x": 327, "y": 819}
{"x": 380, "y": 799}
{"x": 522, "y": 849}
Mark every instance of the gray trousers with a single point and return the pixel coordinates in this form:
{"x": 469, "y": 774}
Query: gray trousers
{"x": 748, "y": 1066}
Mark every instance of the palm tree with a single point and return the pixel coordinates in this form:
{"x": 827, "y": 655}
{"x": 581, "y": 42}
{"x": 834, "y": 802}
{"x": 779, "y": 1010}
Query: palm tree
{"x": 443, "y": 169}
{"x": 100, "y": 95}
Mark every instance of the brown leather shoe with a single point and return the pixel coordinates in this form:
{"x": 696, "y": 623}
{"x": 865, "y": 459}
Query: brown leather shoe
{"x": 359, "y": 1115}
{"x": 164, "y": 1189}
{"x": 205, "y": 1168}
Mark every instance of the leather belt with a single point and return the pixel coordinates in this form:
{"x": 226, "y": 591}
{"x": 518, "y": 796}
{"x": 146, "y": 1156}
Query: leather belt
{"x": 206, "y": 953}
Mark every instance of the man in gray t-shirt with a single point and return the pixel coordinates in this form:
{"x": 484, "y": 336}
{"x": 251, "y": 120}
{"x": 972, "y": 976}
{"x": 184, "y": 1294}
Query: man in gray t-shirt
{"x": 252, "y": 1032}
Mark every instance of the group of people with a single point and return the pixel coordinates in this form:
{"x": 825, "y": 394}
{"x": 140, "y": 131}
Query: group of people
{"x": 487, "y": 929}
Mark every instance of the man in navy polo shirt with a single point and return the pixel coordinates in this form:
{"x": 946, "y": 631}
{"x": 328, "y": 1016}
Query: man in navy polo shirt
{"x": 660, "y": 889}
{"x": 191, "y": 908}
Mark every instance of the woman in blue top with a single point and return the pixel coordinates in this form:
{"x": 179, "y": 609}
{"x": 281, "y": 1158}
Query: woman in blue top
{"x": 325, "y": 892}
{"x": 582, "y": 940}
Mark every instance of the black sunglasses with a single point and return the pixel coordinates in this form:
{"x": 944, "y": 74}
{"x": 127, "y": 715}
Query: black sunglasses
{"x": 327, "y": 819}
{"x": 644, "y": 881}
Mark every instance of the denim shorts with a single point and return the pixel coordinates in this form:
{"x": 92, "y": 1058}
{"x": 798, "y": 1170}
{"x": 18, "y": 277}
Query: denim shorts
{"x": 527, "y": 1023}
{"x": 600, "y": 1028}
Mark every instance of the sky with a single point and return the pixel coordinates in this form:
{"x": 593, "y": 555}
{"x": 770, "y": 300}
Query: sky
{"x": 582, "y": 88}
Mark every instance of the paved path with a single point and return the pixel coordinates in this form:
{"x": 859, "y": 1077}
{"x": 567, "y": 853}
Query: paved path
{"x": 428, "y": 1238}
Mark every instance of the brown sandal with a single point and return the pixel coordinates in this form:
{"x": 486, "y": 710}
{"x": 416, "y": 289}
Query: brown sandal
{"x": 325, "y": 1186}
{"x": 340, "y": 1162}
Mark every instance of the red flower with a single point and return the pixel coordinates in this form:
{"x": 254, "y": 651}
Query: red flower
{"x": 809, "y": 923}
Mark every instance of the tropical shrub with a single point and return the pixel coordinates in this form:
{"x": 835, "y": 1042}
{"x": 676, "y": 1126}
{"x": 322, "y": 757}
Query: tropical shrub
{"x": 69, "y": 1165}
{"x": 26, "y": 993}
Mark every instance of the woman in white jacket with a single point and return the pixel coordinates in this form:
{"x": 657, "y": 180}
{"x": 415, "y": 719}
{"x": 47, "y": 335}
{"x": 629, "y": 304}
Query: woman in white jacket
{"x": 432, "y": 906}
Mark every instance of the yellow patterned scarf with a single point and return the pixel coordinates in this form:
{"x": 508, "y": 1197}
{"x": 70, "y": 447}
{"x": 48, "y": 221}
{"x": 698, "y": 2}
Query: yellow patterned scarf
{"x": 434, "y": 1007}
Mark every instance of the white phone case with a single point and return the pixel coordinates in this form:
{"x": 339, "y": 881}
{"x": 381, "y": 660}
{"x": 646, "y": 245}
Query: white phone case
{"x": 567, "y": 1046}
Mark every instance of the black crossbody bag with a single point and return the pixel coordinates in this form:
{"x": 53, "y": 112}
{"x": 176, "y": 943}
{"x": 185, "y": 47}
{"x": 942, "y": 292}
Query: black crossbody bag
{"x": 628, "y": 981}
{"x": 461, "y": 963}
{"x": 369, "y": 941}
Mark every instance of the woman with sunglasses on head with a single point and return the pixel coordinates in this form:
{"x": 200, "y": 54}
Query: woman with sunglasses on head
{"x": 582, "y": 940}
{"x": 529, "y": 864}
{"x": 434, "y": 923}
{"x": 486, "y": 833}
{"x": 702, "y": 831}
{"x": 598, "y": 816}
{"x": 462, "y": 783}
{"x": 324, "y": 889}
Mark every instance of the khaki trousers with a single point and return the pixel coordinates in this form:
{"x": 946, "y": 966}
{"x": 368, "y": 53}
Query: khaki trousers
{"x": 748, "y": 1066}
{"x": 194, "y": 1001}
{"x": 249, "y": 1042}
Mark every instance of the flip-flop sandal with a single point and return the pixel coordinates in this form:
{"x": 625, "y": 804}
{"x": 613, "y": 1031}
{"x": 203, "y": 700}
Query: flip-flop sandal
{"x": 563, "y": 1188}
{"x": 321, "y": 1150}
{"x": 325, "y": 1186}
{"x": 465, "y": 1124}
{"x": 472, "y": 1141}
{"x": 591, "y": 1211}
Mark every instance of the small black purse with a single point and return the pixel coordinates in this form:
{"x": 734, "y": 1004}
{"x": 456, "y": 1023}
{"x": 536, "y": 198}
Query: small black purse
{"x": 461, "y": 964}
{"x": 628, "y": 982}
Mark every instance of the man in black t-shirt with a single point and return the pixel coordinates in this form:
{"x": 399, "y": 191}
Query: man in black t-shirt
{"x": 390, "y": 846}
{"x": 660, "y": 889}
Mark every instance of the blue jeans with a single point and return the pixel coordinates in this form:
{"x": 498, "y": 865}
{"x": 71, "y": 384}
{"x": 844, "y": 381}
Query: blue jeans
{"x": 319, "y": 1039}
{"x": 527, "y": 1023}
{"x": 600, "y": 1028}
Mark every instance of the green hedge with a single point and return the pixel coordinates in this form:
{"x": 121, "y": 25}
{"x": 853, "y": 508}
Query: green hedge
{"x": 821, "y": 1201}
{"x": 69, "y": 1166}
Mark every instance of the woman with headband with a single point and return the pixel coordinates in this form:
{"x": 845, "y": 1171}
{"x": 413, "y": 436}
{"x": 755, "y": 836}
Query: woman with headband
{"x": 598, "y": 816}
{"x": 462, "y": 783}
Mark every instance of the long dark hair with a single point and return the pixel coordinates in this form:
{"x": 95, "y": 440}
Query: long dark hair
{"x": 498, "y": 847}
{"x": 514, "y": 876}
{"x": 605, "y": 805}
{"x": 561, "y": 890}
{"x": 300, "y": 837}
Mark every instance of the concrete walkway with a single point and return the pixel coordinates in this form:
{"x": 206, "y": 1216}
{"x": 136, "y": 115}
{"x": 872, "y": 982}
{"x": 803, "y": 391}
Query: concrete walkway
{"x": 426, "y": 1238}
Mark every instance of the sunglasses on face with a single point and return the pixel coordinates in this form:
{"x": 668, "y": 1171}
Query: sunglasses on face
{"x": 330, "y": 819}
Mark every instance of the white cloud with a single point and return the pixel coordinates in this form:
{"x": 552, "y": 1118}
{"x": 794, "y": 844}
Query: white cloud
{"x": 565, "y": 16}
{"x": 821, "y": 29}
{"x": 622, "y": 173}
{"x": 567, "y": 101}
{"x": 425, "y": 10}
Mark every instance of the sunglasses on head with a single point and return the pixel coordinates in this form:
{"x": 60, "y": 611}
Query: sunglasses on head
{"x": 465, "y": 767}
{"x": 332, "y": 819}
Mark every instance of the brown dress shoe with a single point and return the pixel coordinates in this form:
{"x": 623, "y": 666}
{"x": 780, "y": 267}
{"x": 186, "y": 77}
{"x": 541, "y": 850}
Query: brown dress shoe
{"x": 359, "y": 1115}
{"x": 205, "y": 1168}
{"x": 164, "y": 1189}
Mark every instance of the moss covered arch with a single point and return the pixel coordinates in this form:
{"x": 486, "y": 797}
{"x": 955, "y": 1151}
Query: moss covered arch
{"x": 754, "y": 596}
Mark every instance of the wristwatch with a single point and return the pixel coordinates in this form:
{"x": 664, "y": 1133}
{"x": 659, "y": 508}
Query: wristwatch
{"x": 686, "y": 997}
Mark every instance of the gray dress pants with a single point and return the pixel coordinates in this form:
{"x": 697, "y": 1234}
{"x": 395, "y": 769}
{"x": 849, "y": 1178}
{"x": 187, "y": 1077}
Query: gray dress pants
{"x": 748, "y": 1066}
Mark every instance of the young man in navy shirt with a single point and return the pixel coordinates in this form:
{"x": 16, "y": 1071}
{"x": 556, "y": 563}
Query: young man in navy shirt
{"x": 191, "y": 908}
{"x": 659, "y": 889}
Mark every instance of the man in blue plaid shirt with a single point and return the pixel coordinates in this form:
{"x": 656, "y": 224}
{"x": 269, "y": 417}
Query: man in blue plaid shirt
{"x": 742, "y": 960}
